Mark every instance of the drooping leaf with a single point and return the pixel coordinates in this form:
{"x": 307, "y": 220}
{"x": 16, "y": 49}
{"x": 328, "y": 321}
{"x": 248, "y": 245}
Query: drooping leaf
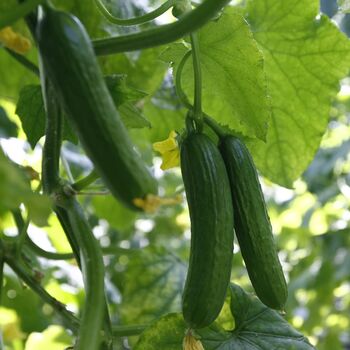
{"x": 234, "y": 85}
{"x": 7, "y": 127}
{"x": 15, "y": 189}
{"x": 257, "y": 328}
{"x": 305, "y": 57}
{"x": 30, "y": 109}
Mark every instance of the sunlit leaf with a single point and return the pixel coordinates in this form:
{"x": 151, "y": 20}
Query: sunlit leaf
{"x": 257, "y": 328}
{"x": 305, "y": 56}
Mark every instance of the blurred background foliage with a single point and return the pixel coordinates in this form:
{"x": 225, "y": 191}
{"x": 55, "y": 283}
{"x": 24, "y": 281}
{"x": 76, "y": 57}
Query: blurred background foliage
{"x": 147, "y": 254}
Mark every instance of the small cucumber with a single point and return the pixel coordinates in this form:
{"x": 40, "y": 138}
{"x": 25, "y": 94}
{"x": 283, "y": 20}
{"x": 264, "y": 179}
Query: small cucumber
{"x": 252, "y": 224}
{"x": 71, "y": 66}
{"x": 211, "y": 213}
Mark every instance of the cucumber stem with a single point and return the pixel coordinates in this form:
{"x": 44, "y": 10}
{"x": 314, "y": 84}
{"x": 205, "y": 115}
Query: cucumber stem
{"x": 135, "y": 20}
{"x": 126, "y": 331}
{"x": 197, "y": 109}
{"x": 178, "y": 85}
{"x": 86, "y": 181}
{"x": 214, "y": 126}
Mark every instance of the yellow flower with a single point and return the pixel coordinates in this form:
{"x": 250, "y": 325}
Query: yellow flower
{"x": 14, "y": 41}
{"x": 169, "y": 150}
{"x": 191, "y": 343}
{"x": 151, "y": 203}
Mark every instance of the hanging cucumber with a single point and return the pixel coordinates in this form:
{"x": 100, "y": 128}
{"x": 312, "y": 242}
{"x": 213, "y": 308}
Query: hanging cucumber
{"x": 252, "y": 224}
{"x": 210, "y": 205}
{"x": 71, "y": 65}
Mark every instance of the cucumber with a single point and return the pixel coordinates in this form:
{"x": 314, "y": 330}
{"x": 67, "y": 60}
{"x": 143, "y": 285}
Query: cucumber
{"x": 252, "y": 225}
{"x": 211, "y": 213}
{"x": 69, "y": 60}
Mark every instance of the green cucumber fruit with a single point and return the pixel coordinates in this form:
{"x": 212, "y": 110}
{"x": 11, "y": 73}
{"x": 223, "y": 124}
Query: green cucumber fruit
{"x": 72, "y": 67}
{"x": 252, "y": 224}
{"x": 209, "y": 200}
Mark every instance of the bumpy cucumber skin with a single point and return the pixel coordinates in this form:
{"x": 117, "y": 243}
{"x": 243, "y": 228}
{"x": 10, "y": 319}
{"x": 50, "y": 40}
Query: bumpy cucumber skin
{"x": 211, "y": 212}
{"x": 71, "y": 65}
{"x": 252, "y": 225}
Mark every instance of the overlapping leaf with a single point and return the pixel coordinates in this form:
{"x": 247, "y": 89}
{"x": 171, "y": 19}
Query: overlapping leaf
{"x": 257, "y": 328}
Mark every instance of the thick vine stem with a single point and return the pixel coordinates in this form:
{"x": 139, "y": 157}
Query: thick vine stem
{"x": 214, "y": 126}
{"x": 135, "y": 20}
{"x": 93, "y": 274}
{"x": 53, "y": 134}
{"x": 161, "y": 35}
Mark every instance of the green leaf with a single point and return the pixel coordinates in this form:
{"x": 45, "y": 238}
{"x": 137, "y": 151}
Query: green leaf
{"x": 132, "y": 117}
{"x": 305, "y": 56}
{"x": 257, "y": 328}
{"x": 123, "y": 95}
{"x": 120, "y": 91}
{"x": 7, "y": 127}
{"x": 234, "y": 85}
{"x": 31, "y": 111}
{"x": 152, "y": 285}
{"x": 15, "y": 189}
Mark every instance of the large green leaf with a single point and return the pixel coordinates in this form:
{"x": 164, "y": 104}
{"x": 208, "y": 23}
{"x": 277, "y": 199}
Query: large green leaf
{"x": 257, "y": 328}
{"x": 305, "y": 56}
{"x": 234, "y": 85}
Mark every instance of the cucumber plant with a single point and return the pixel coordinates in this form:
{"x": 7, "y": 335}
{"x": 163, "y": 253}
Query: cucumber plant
{"x": 218, "y": 176}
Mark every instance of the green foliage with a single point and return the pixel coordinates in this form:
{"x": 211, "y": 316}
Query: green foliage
{"x": 271, "y": 70}
{"x": 257, "y": 327}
